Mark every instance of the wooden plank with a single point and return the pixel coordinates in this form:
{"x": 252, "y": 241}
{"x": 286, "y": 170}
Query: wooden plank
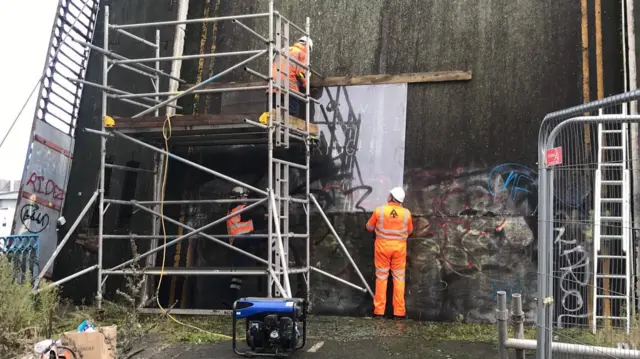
{"x": 418, "y": 77}
{"x": 409, "y": 78}
{"x": 183, "y": 122}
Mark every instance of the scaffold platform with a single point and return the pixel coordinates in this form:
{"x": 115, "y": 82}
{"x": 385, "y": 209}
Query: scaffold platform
{"x": 206, "y": 130}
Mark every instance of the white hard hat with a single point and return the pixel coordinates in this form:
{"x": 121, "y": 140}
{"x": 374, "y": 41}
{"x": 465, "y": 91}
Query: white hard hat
{"x": 239, "y": 191}
{"x": 397, "y": 194}
{"x": 306, "y": 40}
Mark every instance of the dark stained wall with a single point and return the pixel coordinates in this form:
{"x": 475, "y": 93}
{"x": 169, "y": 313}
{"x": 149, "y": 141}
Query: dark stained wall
{"x": 471, "y": 240}
{"x": 85, "y": 170}
{"x": 465, "y": 140}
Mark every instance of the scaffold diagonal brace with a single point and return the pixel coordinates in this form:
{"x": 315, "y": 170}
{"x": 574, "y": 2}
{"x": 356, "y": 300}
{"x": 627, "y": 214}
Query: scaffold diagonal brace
{"x": 191, "y": 233}
{"x": 344, "y": 249}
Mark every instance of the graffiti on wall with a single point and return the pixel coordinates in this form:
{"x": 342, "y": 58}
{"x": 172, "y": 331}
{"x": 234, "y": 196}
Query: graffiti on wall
{"x": 47, "y": 187}
{"x": 472, "y": 230}
{"x": 572, "y": 267}
{"x": 33, "y": 218}
{"x": 363, "y": 141}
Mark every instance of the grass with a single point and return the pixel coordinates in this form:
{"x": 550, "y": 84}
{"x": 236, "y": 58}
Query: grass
{"x": 336, "y": 328}
{"x": 25, "y": 318}
{"x": 604, "y": 337}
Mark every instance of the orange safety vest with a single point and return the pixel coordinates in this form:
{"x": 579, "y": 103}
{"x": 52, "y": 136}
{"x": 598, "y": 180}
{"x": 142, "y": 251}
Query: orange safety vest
{"x": 393, "y": 222}
{"x": 235, "y": 226}
{"x": 299, "y": 53}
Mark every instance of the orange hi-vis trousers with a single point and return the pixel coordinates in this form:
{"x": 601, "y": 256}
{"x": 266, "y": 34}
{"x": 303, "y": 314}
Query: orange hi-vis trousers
{"x": 390, "y": 255}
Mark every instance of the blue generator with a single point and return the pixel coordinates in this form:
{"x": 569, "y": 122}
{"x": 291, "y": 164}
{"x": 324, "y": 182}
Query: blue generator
{"x": 272, "y": 325}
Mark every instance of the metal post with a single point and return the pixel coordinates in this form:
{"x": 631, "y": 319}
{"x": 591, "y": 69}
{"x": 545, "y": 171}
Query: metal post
{"x": 192, "y": 232}
{"x": 120, "y": 57}
{"x": 270, "y": 150}
{"x": 634, "y": 140}
{"x": 189, "y": 21}
{"x": 517, "y": 317}
{"x": 65, "y": 239}
{"x": 178, "y": 48}
{"x": 502, "y": 315}
{"x": 542, "y": 259}
{"x": 117, "y": 91}
{"x": 193, "y": 164}
{"x": 103, "y": 153}
{"x": 157, "y": 175}
{"x": 326, "y": 274}
{"x": 280, "y": 248}
{"x": 202, "y": 84}
{"x": 344, "y": 249}
{"x": 187, "y": 57}
{"x": 577, "y": 350}
{"x": 307, "y": 147}
{"x": 66, "y": 279}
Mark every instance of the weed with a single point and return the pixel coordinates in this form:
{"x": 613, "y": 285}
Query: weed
{"x": 25, "y": 318}
{"x": 132, "y": 327}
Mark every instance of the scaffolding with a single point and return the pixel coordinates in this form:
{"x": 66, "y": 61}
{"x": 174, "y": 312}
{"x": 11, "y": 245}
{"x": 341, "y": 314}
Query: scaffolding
{"x": 279, "y": 131}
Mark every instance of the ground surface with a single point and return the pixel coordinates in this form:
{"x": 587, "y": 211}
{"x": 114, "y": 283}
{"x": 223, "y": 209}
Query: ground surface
{"x": 328, "y": 337}
{"x": 331, "y": 337}
{"x": 364, "y": 348}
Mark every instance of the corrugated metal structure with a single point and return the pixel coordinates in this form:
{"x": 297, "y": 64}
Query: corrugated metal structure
{"x": 468, "y": 157}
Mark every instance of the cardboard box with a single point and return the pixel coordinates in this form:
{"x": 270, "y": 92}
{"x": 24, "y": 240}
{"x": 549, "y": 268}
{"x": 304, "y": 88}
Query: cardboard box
{"x": 100, "y": 344}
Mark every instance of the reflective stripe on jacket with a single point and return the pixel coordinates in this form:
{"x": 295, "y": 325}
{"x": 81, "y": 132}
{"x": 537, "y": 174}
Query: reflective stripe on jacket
{"x": 235, "y": 226}
{"x": 299, "y": 53}
{"x": 391, "y": 221}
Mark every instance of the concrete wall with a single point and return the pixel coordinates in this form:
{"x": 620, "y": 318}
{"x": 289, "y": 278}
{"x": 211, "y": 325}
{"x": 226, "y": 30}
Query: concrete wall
{"x": 470, "y": 150}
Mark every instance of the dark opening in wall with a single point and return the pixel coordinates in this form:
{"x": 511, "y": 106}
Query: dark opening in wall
{"x": 128, "y": 193}
{"x": 107, "y": 192}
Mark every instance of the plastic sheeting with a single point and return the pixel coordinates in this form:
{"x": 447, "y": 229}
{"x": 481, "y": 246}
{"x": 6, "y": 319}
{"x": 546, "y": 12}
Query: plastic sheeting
{"x": 363, "y": 132}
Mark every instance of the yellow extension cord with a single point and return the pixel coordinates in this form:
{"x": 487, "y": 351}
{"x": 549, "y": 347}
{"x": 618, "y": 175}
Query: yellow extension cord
{"x": 167, "y": 122}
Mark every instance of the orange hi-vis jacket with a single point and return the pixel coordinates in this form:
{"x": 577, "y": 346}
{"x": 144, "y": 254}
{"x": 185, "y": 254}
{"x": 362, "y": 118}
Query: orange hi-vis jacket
{"x": 234, "y": 225}
{"x": 299, "y": 53}
{"x": 391, "y": 221}
{"x": 392, "y": 224}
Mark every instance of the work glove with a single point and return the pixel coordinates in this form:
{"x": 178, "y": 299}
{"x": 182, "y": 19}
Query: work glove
{"x": 302, "y": 76}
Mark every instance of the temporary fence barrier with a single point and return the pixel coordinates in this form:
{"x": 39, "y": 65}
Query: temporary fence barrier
{"x": 23, "y": 251}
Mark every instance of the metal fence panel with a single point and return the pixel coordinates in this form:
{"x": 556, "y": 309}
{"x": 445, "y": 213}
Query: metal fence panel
{"x": 23, "y": 251}
{"x": 586, "y": 246}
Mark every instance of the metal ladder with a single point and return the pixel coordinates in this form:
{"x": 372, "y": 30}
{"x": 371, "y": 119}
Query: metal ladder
{"x": 281, "y": 177}
{"x": 612, "y": 226}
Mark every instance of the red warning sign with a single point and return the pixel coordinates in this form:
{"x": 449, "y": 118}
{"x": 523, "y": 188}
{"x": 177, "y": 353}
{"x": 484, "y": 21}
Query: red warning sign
{"x": 554, "y": 156}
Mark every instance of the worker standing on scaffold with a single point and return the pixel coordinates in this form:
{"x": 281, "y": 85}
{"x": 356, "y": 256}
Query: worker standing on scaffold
{"x": 392, "y": 224}
{"x": 297, "y": 76}
{"x": 238, "y": 226}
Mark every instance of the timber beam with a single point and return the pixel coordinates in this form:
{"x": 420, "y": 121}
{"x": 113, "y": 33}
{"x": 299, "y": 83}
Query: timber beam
{"x": 417, "y": 77}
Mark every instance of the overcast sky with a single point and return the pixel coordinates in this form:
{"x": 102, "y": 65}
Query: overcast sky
{"x": 25, "y": 28}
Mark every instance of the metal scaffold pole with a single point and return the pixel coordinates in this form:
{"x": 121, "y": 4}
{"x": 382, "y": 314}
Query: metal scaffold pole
{"x": 103, "y": 154}
{"x": 270, "y": 278}
{"x": 307, "y": 148}
{"x": 278, "y": 132}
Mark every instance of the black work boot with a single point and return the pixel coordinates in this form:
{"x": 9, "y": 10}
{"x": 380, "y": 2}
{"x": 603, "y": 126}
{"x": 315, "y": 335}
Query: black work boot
{"x": 400, "y": 317}
{"x": 378, "y": 316}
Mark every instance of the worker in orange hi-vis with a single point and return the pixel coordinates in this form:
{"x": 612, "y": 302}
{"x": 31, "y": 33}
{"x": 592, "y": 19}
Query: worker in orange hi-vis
{"x": 253, "y": 221}
{"x": 392, "y": 224}
{"x": 297, "y": 75}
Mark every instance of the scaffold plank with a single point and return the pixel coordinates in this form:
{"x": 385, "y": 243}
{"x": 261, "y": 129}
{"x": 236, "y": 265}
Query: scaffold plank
{"x": 193, "y": 123}
{"x": 417, "y": 77}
